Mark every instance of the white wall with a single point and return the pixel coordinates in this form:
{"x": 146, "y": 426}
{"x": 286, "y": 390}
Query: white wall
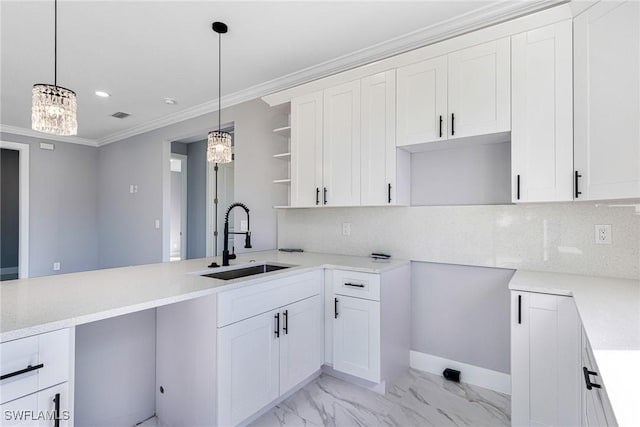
{"x": 555, "y": 237}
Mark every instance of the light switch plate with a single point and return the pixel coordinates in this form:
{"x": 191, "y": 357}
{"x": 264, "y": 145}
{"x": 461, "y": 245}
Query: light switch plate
{"x": 346, "y": 228}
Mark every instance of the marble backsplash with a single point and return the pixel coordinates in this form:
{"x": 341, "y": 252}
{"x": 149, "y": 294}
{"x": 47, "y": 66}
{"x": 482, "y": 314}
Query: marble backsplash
{"x": 558, "y": 237}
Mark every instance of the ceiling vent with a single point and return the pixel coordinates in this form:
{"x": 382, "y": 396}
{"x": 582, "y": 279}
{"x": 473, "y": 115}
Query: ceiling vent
{"x": 120, "y": 115}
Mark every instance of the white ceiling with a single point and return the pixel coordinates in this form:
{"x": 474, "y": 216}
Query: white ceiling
{"x": 143, "y": 51}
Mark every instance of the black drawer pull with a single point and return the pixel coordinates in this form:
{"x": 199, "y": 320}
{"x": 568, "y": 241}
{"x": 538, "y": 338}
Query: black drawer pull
{"x": 317, "y": 196}
{"x": 335, "y": 308}
{"x": 325, "y": 195}
{"x": 587, "y": 379}
{"x": 22, "y": 371}
{"x": 355, "y": 285}
{"x": 518, "y": 187}
{"x": 389, "y": 191}
{"x": 519, "y": 309}
{"x": 277, "y": 329}
{"x": 440, "y": 126}
{"x": 453, "y": 122}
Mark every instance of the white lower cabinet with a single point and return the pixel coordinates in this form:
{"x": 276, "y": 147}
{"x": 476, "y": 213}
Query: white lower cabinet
{"x": 356, "y": 337}
{"x": 36, "y": 387}
{"x": 368, "y": 325}
{"x": 596, "y": 409}
{"x": 546, "y": 364}
{"x": 262, "y": 357}
{"x": 49, "y": 407}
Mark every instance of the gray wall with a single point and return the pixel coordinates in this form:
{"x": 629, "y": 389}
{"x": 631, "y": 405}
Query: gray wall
{"x": 471, "y": 175}
{"x": 461, "y": 313}
{"x": 9, "y": 209}
{"x": 127, "y": 233}
{"x": 115, "y": 370}
{"x": 196, "y": 199}
{"x": 63, "y": 209}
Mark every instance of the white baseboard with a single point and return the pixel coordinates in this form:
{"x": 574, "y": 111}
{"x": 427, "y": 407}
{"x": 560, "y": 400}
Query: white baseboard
{"x": 470, "y": 374}
{"x": 379, "y": 388}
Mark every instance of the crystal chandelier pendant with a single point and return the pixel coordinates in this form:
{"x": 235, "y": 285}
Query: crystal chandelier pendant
{"x": 54, "y": 110}
{"x": 219, "y": 147}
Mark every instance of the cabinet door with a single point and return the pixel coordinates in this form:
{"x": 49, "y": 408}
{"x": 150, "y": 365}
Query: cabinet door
{"x": 607, "y": 101}
{"x": 248, "y": 367}
{"x": 542, "y": 128}
{"x": 378, "y": 148}
{"x": 306, "y": 149}
{"x": 38, "y": 409}
{"x": 356, "y": 337}
{"x": 422, "y": 102}
{"x": 596, "y": 409}
{"x": 341, "y": 145}
{"x": 480, "y": 90}
{"x": 301, "y": 342}
{"x": 545, "y": 360}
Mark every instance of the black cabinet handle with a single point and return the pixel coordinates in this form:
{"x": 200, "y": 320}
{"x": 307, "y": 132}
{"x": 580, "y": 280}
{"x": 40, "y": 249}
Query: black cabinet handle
{"x": 576, "y": 176}
{"x": 453, "y": 122}
{"x": 56, "y": 415}
{"x": 518, "y": 187}
{"x": 335, "y": 308}
{"x": 22, "y": 371}
{"x": 587, "y": 379}
{"x": 317, "y": 196}
{"x": 389, "y": 192}
{"x": 519, "y": 309}
{"x": 277, "y": 330}
{"x": 440, "y": 126}
{"x": 325, "y": 195}
{"x": 355, "y": 285}
{"x": 285, "y": 328}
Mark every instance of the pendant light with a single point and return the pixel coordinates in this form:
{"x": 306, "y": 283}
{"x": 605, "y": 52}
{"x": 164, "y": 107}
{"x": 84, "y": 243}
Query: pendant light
{"x": 54, "y": 108}
{"x": 219, "y": 142}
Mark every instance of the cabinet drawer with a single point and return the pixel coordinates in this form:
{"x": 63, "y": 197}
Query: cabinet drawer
{"x": 250, "y": 301}
{"x": 356, "y": 284}
{"x": 33, "y": 363}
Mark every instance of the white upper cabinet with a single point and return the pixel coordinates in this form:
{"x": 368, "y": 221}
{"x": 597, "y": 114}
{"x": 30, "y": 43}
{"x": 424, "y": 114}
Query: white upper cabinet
{"x": 607, "y": 101}
{"x": 542, "y": 108}
{"x": 306, "y": 150}
{"x": 463, "y": 94}
{"x": 479, "y": 90}
{"x": 384, "y": 171}
{"x": 422, "y": 102}
{"x": 341, "y": 145}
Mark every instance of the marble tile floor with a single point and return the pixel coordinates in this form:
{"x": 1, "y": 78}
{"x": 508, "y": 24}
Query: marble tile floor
{"x": 417, "y": 399}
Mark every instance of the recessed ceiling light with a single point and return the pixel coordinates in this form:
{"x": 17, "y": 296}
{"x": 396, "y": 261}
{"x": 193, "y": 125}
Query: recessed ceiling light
{"x": 170, "y": 101}
{"x": 102, "y": 94}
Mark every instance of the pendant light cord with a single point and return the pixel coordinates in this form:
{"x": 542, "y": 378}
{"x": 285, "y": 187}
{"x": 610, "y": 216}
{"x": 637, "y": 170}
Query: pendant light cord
{"x": 219, "y": 81}
{"x": 55, "y": 43}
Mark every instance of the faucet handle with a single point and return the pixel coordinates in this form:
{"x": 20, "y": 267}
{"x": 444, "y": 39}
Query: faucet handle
{"x": 247, "y": 240}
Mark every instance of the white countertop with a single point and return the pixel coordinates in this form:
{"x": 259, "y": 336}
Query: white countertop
{"x": 42, "y": 304}
{"x": 610, "y": 312}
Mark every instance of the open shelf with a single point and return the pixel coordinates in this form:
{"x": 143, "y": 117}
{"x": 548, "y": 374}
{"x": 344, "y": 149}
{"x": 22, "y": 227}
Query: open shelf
{"x": 282, "y": 181}
{"x": 282, "y": 156}
{"x": 283, "y": 131}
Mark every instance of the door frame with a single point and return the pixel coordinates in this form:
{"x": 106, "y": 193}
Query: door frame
{"x": 23, "y": 239}
{"x": 183, "y": 204}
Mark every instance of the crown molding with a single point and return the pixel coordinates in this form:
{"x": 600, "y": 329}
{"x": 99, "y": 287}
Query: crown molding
{"x": 45, "y": 136}
{"x": 492, "y": 14}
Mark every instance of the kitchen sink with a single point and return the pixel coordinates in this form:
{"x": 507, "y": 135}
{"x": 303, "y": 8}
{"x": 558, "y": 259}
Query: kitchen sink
{"x": 245, "y": 271}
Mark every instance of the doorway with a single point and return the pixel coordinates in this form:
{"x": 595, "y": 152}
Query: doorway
{"x": 178, "y": 233}
{"x": 14, "y": 210}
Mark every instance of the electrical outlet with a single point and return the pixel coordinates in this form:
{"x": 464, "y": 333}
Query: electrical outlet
{"x": 346, "y": 228}
{"x": 157, "y": 224}
{"x": 133, "y": 188}
{"x": 56, "y": 266}
{"x": 603, "y": 234}
{"x": 244, "y": 225}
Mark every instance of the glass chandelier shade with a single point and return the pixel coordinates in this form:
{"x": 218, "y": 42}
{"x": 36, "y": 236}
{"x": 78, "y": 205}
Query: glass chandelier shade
{"x": 219, "y": 147}
{"x": 54, "y": 110}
